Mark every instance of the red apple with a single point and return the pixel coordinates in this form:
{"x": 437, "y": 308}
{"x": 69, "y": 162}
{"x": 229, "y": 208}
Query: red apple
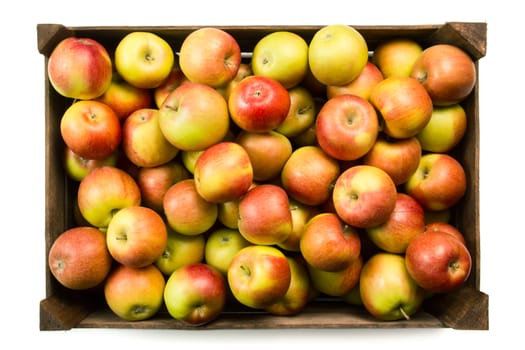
{"x": 79, "y": 259}
{"x": 347, "y": 127}
{"x": 406, "y": 222}
{"x": 78, "y": 167}
{"x": 364, "y": 196}
{"x": 91, "y": 129}
{"x": 264, "y": 215}
{"x": 438, "y": 183}
{"x": 80, "y": 68}
{"x": 445, "y": 227}
{"x": 438, "y": 261}
{"x": 399, "y": 158}
{"x": 447, "y": 72}
{"x": 308, "y": 175}
{"x": 404, "y": 105}
{"x": 258, "y": 104}
{"x": 173, "y": 81}
{"x": 328, "y": 244}
{"x": 361, "y": 86}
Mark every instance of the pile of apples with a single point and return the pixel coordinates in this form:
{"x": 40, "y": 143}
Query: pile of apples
{"x": 207, "y": 175}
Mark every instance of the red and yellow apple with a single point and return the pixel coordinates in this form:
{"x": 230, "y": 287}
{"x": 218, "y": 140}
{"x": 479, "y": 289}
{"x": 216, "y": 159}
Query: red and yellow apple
{"x": 78, "y": 167}
{"x": 396, "y": 57}
{"x": 444, "y": 130}
{"x": 180, "y": 250}
{"x": 336, "y": 283}
{"x": 361, "y": 86}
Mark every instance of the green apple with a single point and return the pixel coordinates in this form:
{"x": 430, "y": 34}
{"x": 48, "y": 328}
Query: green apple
{"x": 283, "y": 56}
{"x": 180, "y": 250}
{"x": 445, "y": 129}
{"x": 336, "y": 283}
{"x": 337, "y": 54}
{"x": 387, "y": 290}
{"x": 221, "y": 246}
{"x": 301, "y": 114}
{"x": 78, "y": 167}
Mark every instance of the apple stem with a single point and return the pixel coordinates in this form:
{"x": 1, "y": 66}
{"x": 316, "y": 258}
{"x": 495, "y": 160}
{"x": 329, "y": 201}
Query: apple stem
{"x": 404, "y": 313}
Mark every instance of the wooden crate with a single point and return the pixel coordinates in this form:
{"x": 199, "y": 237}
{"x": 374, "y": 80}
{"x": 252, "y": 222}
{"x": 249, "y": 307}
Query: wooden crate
{"x": 466, "y": 308}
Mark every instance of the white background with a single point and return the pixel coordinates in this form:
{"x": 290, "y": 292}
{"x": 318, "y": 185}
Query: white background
{"x": 22, "y": 164}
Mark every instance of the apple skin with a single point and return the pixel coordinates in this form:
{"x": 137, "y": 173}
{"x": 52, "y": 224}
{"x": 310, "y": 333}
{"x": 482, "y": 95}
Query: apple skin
{"x": 446, "y": 227}
{"x": 337, "y": 54}
{"x": 78, "y": 167}
{"x": 447, "y": 73}
{"x": 186, "y": 211}
{"x": 396, "y": 57}
{"x": 438, "y": 261}
{"x": 445, "y": 129}
{"x": 347, "y": 127}
{"x": 223, "y": 172}
{"x": 336, "y": 283}
{"x": 245, "y": 69}
{"x": 438, "y": 183}
{"x": 403, "y": 104}
{"x": 268, "y": 152}
{"x": 406, "y": 222}
{"x": 143, "y": 59}
{"x": 180, "y": 250}
{"x": 301, "y": 213}
{"x": 264, "y": 215}
{"x": 399, "y": 158}
{"x": 283, "y": 56}
{"x": 221, "y": 246}
{"x": 259, "y": 276}
{"x": 154, "y": 182}
{"x": 308, "y": 175}
{"x": 80, "y": 68}
{"x": 301, "y": 115}
{"x": 91, "y": 129}
{"x": 364, "y": 196}
{"x": 210, "y": 56}
{"x": 258, "y": 104}
{"x": 79, "y": 259}
{"x": 195, "y": 294}
{"x": 194, "y": 116}
{"x": 361, "y": 86}
{"x": 134, "y": 294}
{"x": 103, "y": 192}
{"x": 124, "y": 98}
{"x": 175, "y": 79}
{"x": 328, "y": 244}
{"x": 136, "y": 236}
{"x": 140, "y": 125}
{"x": 387, "y": 290}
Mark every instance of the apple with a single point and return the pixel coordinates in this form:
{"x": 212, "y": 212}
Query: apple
{"x": 79, "y": 259}
{"x": 245, "y": 69}
{"x": 103, "y": 192}
{"x": 347, "y": 127}
{"x": 124, "y": 98}
{"x": 353, "y": 296}
{"x": 301, "y": 213}
{"x": 403, "y": 104}
{"x": 264, "y": 215}
{"x": 175, "y": 79}
{"x": 337, "y": 54}
{"x": 438, "y": 261}
{"x": 438, "y": 183}
{"x": 223, "y": 172}
{"x": 259, "y": 276}
{"x": 306, "y": 138}
{"x": 361, "y": 86}
{"x": 221, "y": 246}
{"x": 399, "y": 158}
{"x": 210, "y": 56}
{"x": 328, "y": 244}
{"x": 180, "y": 250}
{"x": 302, "y": 112}
{"x": 309, "y": 174}
{"x": 155, "y": 181}
{"x": 446, "y": 227}
{"x": 195, "y": 294}
{"x": 144, "y": 59}
{"x": 364, "y": 196}
{"x": 194, "y": 116}
{"x": 281, "y": 55}
{"x": 445, "y": 129}
{"x": 336, "y": 283}
{"x": 268, "y": 152}
{"x": 91, "y": 129}
{"x": 447, "y": 72}
{"x": 387, "y": 290}
{"x": 406, "y": 222}
{"x": 79, "y": 68}
{"x": 142, "y": 140}
{"x": 298, "y": 294}
{"x": 258, "y": 104}
{"x": 396, "y": 56}
{"x": 186, "y": 211}
{"x": 134, "y": 294}
{"x": 136, "y": 236}
{"x": 78, "y": 167}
